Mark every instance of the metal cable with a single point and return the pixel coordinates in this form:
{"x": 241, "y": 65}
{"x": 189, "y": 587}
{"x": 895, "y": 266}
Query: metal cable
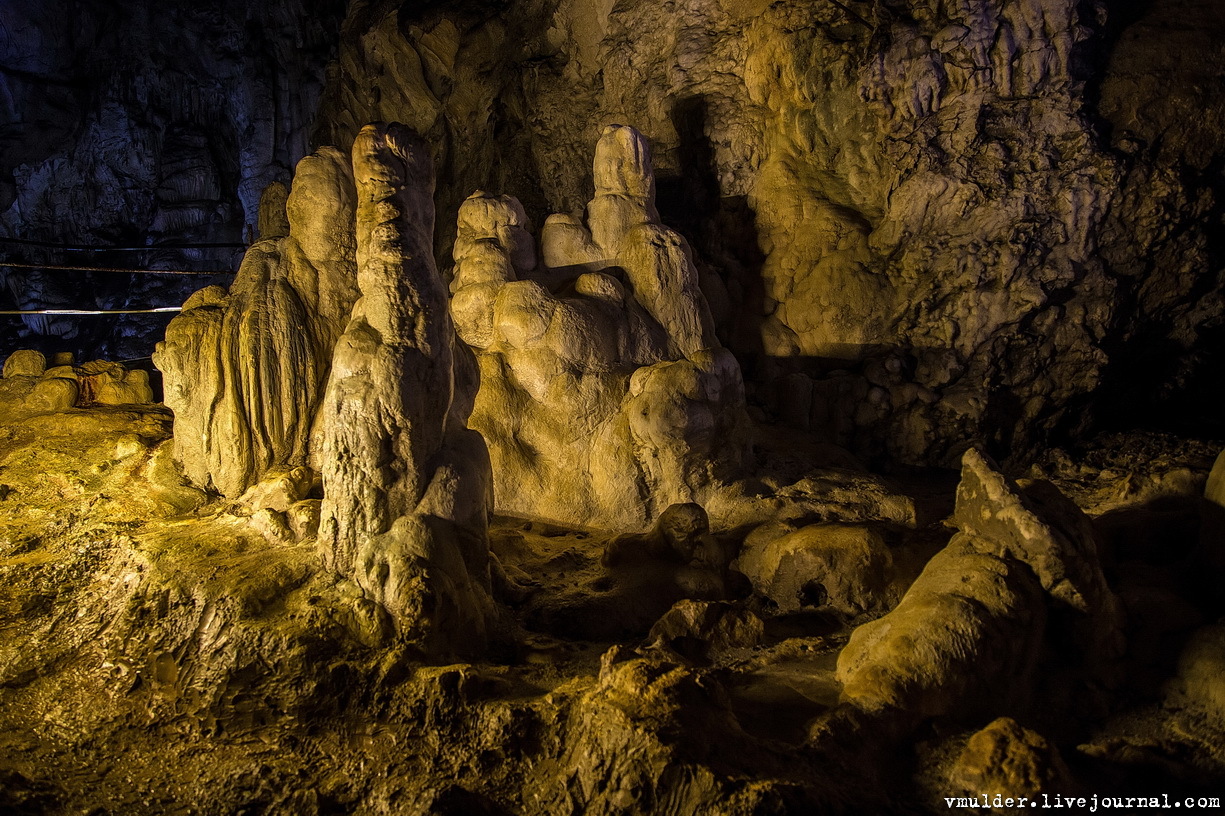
{"x": 158, "y": 310}
{"x": 88, "y": 248}
{"x": 117, "y": 269}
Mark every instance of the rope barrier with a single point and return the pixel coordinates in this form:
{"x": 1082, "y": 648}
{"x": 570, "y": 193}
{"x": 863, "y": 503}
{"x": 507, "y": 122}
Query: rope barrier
{"x": 158, "y": 310}
{"x": 88, "y": 248}
{"x": 118, "y": 269}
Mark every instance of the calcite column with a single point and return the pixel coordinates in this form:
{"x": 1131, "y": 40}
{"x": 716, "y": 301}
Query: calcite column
{"x": 406, "y": 484}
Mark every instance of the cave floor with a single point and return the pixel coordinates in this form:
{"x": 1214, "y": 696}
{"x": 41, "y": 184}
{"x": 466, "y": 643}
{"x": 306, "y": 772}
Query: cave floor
{"x": 157, "y": 659}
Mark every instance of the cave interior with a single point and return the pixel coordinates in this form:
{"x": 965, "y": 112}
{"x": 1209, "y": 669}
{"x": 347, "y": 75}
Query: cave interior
{"x": 611, "y": 406}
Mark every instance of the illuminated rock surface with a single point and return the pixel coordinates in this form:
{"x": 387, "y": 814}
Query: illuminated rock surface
{"x": 30, "y": 387}
{"x": 235, "y": 671}
{"x": 406, "y": 485}
{"x": 244, "y": 368}
{"x": 917, "y": 223}
{"x": 640, "y": 516}
{"x": 605, "y": 395}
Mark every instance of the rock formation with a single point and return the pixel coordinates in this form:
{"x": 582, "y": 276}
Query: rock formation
{"x": 1011, "y": 761}
{"x": 29, "y": 386}
{"x": 605, "y": 394}
{"x": 968, "y": 635}
{"x": 244, "y": 369}
{"x": 406, "y": 484}
{"x": 845, "y": 569}
{"x": 926, "y": 216}
{"x": 916, "y": 233}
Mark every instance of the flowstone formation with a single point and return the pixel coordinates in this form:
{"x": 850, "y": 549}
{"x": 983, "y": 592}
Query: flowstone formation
{"x": 244, "y": 369}
{"x": 406, "y": 483}
{"x": 605, "y": 395}
{"x": 1021, "y": 583}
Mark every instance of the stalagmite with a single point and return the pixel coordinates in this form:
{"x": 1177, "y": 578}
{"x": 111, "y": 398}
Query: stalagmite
{"x": 605, "y": 395}
{"x": 244, "y": 369}
{"x": 406, "y": 484}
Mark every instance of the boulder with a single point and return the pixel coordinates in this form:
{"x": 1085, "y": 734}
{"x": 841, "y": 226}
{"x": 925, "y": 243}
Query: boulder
{"x": 1007, "y": 759}
{"x": 1037, "y": 525}
{"x": 704, "y": 629}
{"x": 842, "y": 567}
{"x": 107, "y": 383}
{"x": 50, "y": 395}
{"x": 25, "y": 363}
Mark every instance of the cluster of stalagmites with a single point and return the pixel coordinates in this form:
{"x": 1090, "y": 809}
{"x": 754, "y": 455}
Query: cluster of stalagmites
{"x": 582, "y": 382}
{"x": 31, "y": 386}
{"x": 603, "y": 395}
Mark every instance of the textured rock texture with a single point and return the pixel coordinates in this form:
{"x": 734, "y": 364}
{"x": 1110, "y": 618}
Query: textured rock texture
{"x": 846, "y": 569}
{"x": 156, "y": 660}
{"x": 924, "y": 231}
{"x": 244, "y": 369}
{"x": 605, "y": 395}
{"x": 1008, "y": 759}
{"x": 406, "y": 483}
{"x": 1022, "y": 577}
{"x": 924, "y": 223}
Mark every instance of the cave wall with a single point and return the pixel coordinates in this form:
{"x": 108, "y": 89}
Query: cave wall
{"x": 146, "y": 123}
{"x": 918, "y": 223}
{"x": 921, "y": 222}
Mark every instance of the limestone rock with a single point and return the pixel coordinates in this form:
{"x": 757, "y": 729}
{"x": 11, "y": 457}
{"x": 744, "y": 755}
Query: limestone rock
{"x": 107, "y": 383}
{"x": 273, "y": 221}
{"x": 704, "y": 628}
{"x": 90, "y": 159}
{"x": 406, "y": 484}
{"x": 65, "y": 386}
{"x": 964, "y": 638}
{"x": 844, "y": 568}
{"x": 970, "y": 628}
{"x": 1004, "y": 520}
{"x": 25, "y": 363}
{"x": 279, "y": 490}
{"x": 51, "y": 395}
{"x": 244, "y": 370}
{"x": 924, "y": 188}
{"x": 1008, "y": 759}
{"x": 1040, "y": 527}
{"x": 605, "y": 394}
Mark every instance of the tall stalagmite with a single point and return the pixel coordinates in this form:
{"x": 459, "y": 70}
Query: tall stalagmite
{"x": 406, "y": 484}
